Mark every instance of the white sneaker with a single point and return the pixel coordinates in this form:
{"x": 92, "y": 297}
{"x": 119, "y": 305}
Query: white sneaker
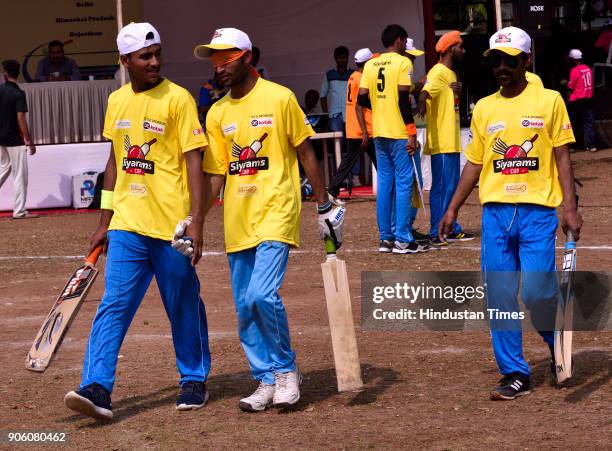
{"x": 336, "y": 200}
{"x": 260, "y": 400}
{"x": 287, "y": 389}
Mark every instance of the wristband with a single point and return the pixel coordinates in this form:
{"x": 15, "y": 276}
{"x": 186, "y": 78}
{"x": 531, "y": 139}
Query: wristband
{"x": 411, "y": 129}
{"x": 324, "y": 208}
{"x": 106, "y": 201}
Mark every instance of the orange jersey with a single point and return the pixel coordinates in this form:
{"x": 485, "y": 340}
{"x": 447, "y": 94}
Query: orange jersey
{"x": 353, "y": 129}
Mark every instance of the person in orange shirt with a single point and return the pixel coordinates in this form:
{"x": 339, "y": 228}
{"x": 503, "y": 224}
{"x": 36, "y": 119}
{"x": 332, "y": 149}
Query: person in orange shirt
{"x": 358, "y": 127}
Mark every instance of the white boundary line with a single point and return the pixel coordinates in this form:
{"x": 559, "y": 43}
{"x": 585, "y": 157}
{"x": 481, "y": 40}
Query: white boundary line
{"x": 604, "y": 247}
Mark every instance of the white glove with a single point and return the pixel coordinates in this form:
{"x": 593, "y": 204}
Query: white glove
{"x": 331, "y": 222}
{"x": 182, "y": 244}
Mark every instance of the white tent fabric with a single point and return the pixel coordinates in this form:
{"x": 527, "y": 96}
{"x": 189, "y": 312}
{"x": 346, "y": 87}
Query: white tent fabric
{"x": 296, "y": 38}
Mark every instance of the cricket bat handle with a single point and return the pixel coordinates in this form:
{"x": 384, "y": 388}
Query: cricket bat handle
{"x": 93, "y": 256}
{"x": 330, "y": 249}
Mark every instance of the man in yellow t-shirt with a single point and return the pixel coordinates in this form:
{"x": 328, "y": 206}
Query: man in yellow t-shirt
{"x": 358, "y": 127}
{"x": 152, "y": 180}
{"x": 385, "y": 88}
{"x": 440, "y": 98}
{"x": 519, "y": 155}
{"x": 257, "y": 133}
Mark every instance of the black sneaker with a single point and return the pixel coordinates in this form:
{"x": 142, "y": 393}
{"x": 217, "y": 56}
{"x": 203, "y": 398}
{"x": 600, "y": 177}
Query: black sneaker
{"x": 461, "y": 236}
{"x": 510, "y": 387}
{"x": 92, "y": 400}
{"x": 193, "y": 396}
{"x": 385, "y": 246}
{"x": 418, "y": 236}
{"x": 437, "y": 243}
{"x": 409, "y": 248}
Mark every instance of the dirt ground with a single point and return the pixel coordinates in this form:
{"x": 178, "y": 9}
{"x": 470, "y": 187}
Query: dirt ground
{"x": 423, "y": 389}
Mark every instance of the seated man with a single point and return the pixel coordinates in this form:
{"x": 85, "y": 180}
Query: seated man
{"x": 56, "y": 66}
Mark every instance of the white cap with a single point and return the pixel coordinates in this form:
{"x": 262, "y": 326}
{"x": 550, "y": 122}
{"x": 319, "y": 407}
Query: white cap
{"x": 136, "y": 36}
{"x": 510, "y": 40}
{"x": 575, "y": 54}
{"x": 224, "y": 39}
{"x": 411, "y": 49}
{"x": 362, "y": 55}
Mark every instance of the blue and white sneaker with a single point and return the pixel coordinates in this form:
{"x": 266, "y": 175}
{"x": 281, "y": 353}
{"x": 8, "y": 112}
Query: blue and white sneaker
{"x": 92, "y": 400}
{"x": 193, "y": 396}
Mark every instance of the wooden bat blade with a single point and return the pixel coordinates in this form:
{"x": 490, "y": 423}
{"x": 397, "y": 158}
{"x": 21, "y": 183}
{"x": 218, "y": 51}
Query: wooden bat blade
{"x": 564, "y": 318}
{"x": 63, "y": 312}
{"x": 341, "y": 325}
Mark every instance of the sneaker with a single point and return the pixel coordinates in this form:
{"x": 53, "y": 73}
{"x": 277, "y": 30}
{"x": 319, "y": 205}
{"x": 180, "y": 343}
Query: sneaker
{"x": 385, "y": 246}
{"x": 412, "y": 247}
{"x": 92, "y": 400}
{"x": 193, "y": 396}
{"x": 260, "y": 400}
{"x": 592, "y": 149}
{"x": 461, "y": 236}
{"x": 27, "y": 215}
{"x": 437, "y": 243}
{"x": 335, "y": 200}
{"x": 287, "y": 389}
{"x": 419, "y": 236}
{"x": 510, "y": 387}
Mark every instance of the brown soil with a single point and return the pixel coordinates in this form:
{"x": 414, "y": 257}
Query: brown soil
{"x": 423, "y": 389}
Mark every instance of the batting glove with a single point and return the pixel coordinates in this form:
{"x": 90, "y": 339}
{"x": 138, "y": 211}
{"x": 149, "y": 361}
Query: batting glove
{"x": 182, "y": 244}
{"x": 331, "y": 222}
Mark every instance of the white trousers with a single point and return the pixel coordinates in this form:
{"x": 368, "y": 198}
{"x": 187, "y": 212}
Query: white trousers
{"x": 15, "y": 160}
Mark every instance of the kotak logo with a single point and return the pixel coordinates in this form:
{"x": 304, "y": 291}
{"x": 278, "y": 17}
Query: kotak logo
{"x": 532, "y": 123}
{"x": 153, "y": 127}
{"x": 515, "y": 160}
{"x": 261, "y": 122}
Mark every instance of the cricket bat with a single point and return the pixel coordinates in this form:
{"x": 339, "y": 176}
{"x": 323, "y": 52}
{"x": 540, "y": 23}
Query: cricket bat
{"x": 565, "y": 313}
{"x": 341, "y": 326}
{"x": 63, "y": 312}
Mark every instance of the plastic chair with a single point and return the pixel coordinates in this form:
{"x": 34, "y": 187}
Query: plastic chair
{"x": 604, "y": 66}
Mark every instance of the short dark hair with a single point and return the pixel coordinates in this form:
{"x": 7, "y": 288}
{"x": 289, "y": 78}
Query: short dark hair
{"x": 341, "y": 50}
{"x": 11, "y": 67}
{"x": 360, "y": 64}
{"x": 255, "y": 50}
{"x": 391, "y": 33}
{"x": 55, "y": 43}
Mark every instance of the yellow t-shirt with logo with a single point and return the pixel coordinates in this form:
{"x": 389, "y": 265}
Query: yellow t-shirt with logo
{"x": 252, "y": 142}
{"x": 150, "y": 132}
{"x": 382, "y": 76}
{"x": 443, "y": 128}
{"x": 513, "y": 140}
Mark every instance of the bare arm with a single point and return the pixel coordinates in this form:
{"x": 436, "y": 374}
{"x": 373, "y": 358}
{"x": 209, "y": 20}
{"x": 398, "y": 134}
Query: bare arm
{"x": 193, "y": 160}
{"x": 23, "y": 130}
{"x": 313, "y": 171}
{"x": 110, "y": 178}
{"x": 212, "y": 188}
{"x": 362, "y": 125}
{"x": 469, "y": 178}
{"x": 571, "y": 219}
{"x": 423, "y": 96}
{"x": 406, "y": 112}
{"x": 324, "y": 104}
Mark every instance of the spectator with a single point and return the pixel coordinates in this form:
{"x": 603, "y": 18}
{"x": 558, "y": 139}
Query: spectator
{"x": 605, "y": 37}
{"x": 580, "y": 100}
{"x": 333, "y": 90}
{"x": 262, "y": 71}
{"x": 311, "y": 102}
{"x": 210, "y": 92}
{"x": 14, "y": 137}
{"x": 56, "y": 66}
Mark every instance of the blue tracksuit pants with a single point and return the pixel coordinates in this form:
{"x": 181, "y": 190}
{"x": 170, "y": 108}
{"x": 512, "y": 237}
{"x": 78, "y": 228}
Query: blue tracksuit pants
{"x": 131, "y": 263}
{"x": 518, "y": 247}
{"x": 257, "y": 276}
{"x": 395, "y": 178}
{"x": 445, "y": 173}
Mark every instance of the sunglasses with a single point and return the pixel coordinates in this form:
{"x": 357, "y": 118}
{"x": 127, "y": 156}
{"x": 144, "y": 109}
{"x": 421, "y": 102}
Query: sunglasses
{"x": 496, "y": 58}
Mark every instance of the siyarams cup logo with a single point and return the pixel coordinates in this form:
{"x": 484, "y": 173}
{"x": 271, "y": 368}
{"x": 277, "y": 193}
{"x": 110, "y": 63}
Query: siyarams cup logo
{"x": 248, "y": 163}
{"x": 515, "y": 160}
{"x": 136, "y": 162}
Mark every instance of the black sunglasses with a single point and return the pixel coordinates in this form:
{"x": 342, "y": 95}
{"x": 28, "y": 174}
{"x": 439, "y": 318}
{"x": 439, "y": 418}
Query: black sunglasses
{"x": 496, "y": 58}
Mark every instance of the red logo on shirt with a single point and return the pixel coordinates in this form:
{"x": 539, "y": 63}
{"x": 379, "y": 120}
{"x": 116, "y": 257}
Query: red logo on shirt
{"x": 136, "y": 162}
{"x": 248, "y": 163}
{"x": 515, "y": 160}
